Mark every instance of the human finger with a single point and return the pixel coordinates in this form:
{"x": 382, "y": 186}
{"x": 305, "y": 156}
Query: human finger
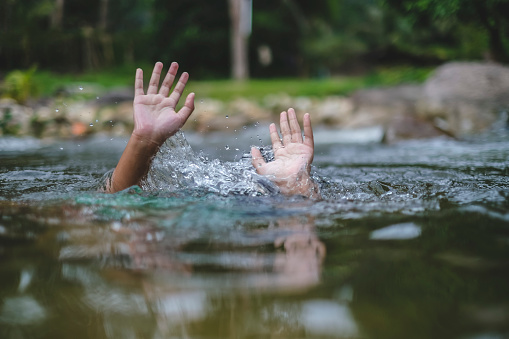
{"x": 308, "y": 131}
{"x": 257, "y": 158}
{"x": 168, "y": 79}
{"x": 179, "y": 88}
{"x": 285, "y": 128}
{"x": 274, "y": 137}
{"x": 294, "y": 126}
{"x": 138, "y": 82}
{"x": 154, "y": 79}
{"x": 188, "y": 107}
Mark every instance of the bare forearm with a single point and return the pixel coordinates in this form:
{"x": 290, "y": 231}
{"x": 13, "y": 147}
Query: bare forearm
{"x": 133, "y": 165}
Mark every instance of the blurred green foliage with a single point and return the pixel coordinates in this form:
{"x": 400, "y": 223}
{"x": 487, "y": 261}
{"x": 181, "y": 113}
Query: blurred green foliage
{"x": 305, "y": 38}
{"x": 469, "y": 26}
{"x": 19, "y": 85}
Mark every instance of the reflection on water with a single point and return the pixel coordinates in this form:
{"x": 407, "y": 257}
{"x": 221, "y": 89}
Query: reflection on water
{"x": 411, "y": 241}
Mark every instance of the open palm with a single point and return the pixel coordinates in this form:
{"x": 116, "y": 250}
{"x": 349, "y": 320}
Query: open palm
{"x": 293, "y": 154}
{"x": 155, "y": 118}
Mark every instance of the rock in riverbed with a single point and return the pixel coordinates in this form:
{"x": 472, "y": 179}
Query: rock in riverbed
{"x": 465, "y": 97}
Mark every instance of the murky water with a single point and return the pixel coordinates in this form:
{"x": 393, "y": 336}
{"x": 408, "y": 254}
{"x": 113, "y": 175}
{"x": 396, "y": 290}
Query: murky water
{"x": 411, "y": 241}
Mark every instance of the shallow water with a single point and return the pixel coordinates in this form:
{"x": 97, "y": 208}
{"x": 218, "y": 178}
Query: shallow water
{"x": 410, "y": 241}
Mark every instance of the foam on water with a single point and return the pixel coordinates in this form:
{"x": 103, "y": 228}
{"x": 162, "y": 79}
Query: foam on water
{"x": 177, "y": 167}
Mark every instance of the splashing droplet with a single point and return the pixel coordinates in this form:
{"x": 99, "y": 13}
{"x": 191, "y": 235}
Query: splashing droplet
{"x": 227, "y": 147}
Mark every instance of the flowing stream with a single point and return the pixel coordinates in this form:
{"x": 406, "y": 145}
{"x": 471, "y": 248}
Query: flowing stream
{"x": 410, "y": 241}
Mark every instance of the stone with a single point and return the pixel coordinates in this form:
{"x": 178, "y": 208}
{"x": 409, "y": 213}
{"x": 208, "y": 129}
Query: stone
{"x": 14, "y": 119}
{"x": 333, "y": 111}
{"x": 378, "y": 106}
{"x": 465, "y": 98}
{"x": 406, "y": 127}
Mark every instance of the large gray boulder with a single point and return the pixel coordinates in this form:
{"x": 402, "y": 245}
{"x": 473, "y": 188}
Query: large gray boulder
{"x": 465, "y": 98}
{"x": 379, "y": 106}
{"x": 394, "y": 109}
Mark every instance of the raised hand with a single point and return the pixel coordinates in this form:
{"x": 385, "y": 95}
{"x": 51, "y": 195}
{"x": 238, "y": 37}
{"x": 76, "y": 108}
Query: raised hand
{"x": 293, "y": 156}
{"x": 155, "y": 118}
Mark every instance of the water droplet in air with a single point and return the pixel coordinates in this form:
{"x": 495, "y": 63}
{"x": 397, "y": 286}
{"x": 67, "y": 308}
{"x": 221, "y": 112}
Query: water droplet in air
{"x": 57, "y": 110}
{"x": 97, "y": 98}
{"x": 227, "y": 147}
{"x": 226, "y": 117}
{"x": 201, "y": 101}
{"x": 81, "y": 88}
{"x": 91, "y": 125}
{"x": 96, "y": 120}
{"x": 61, "y": 148}
{"x": 244, "y": 127}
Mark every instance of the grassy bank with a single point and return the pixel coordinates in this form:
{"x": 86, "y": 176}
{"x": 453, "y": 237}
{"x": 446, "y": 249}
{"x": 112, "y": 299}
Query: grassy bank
{"x": 47, "y": 84}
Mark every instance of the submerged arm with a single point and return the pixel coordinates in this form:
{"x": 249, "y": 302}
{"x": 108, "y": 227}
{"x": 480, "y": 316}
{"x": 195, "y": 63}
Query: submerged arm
{"x": 155, "y": 120}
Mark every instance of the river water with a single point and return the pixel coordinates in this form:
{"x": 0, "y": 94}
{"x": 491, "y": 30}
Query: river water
{"x": 410, "y": 241}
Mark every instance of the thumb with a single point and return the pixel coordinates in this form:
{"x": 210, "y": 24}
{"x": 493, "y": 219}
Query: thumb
{"x": 257, "y": 158}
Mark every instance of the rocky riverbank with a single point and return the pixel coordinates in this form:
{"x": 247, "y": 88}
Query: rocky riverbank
{"x": 459, "y": 99}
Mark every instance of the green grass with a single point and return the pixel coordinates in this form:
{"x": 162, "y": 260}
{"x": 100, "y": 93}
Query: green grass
{"x": 257, "y": 89}
{"x": 49, "y": 83}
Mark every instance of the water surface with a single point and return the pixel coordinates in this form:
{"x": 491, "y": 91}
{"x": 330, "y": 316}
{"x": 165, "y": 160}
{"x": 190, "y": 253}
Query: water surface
{"x": 410, "y": 241}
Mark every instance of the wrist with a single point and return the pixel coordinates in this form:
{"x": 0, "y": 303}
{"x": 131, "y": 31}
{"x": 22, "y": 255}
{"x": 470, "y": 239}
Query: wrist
{"x": 145, "y": 143}
{"x": 299, "y": 184}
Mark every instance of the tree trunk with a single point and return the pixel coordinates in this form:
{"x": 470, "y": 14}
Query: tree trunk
{"x": 103, "y": 15}
{"x": 57, "y": 14}
{"x": 105, "y": 39}
{"x": 239, "y": 42}
{"x": 497, "y": 51}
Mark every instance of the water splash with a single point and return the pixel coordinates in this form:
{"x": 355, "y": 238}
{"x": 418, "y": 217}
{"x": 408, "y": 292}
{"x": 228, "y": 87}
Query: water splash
{"x": 177, "y": 167}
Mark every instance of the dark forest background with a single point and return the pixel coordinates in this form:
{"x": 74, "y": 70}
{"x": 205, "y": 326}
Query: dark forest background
{"x": 305, "y": 38}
